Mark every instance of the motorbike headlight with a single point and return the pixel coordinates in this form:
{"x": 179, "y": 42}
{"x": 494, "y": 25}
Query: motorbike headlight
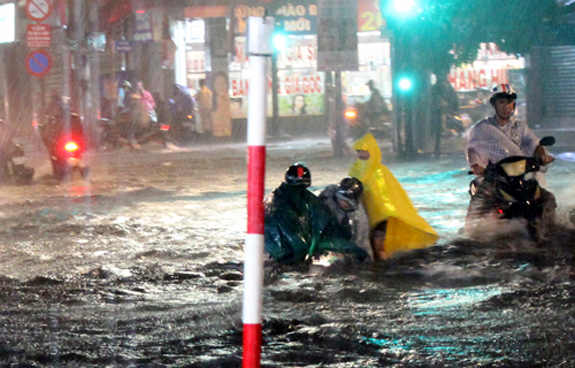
{"x": 514, "y": 168}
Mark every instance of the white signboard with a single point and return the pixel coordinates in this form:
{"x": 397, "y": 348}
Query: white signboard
{"x": 38, "y": 10}
{"x": 7, "y": 23}
{"x": 143, "y": 27}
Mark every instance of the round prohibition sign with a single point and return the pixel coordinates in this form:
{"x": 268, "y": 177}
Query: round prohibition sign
{"x": 38, "y": 63}
{"x": 38, "y": 10}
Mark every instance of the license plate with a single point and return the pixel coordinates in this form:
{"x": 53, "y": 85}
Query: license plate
{"x": 75, "y": 162}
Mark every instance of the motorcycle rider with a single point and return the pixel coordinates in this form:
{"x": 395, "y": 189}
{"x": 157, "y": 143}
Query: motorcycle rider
{"x": 375, "y": 107}
{"x": 385, "y": 200}
{"x": 298, "y": 225}
{"x": 498, "y": 137}
{"x": 344, "y": 201}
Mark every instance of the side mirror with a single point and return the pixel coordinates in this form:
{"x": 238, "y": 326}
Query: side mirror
{"x": 547, "y": 141}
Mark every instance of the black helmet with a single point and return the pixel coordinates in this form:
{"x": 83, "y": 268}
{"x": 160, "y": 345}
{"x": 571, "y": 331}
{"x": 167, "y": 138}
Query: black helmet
{"x": 298, "y": 175}
{"x": 349, "y": 189}
{"x": 502, "y": 91}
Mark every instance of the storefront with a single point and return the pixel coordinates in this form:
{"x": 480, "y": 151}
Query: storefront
{"x": 473, "y": 82}
{"x": 301, "y": 86}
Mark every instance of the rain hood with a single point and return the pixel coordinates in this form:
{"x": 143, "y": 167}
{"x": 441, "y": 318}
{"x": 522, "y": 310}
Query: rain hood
{"x": 385, "y": 199}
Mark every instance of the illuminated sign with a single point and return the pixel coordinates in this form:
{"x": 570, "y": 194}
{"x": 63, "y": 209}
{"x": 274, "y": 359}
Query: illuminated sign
{"x": 7, "y": 23}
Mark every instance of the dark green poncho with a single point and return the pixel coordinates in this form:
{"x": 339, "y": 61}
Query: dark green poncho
{"x": 297, "y": 223}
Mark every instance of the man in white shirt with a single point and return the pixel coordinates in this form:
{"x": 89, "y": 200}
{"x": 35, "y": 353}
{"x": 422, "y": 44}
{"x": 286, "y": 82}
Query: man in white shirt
{"x": 502, "y": 135}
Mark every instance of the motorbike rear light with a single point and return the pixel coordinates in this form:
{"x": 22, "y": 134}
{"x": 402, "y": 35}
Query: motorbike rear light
{"x": 350, "y": 114}
{"x": 500, "y": 211}
{"x": 165, "y": 127}
{"x": 71, "y": 146}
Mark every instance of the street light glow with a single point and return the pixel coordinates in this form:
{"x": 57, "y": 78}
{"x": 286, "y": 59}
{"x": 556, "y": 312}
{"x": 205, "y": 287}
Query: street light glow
{"x": 404, "y": 84}
{"x": 280, "y": 41}
{"x": 403, "y": 6}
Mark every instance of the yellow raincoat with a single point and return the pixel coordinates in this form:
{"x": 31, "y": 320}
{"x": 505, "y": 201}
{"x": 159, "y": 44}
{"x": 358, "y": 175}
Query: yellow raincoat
{"x": 385, "y": 199}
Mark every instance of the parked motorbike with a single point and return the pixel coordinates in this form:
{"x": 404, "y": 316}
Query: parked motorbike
{"x": 12, "y": 158}
{"x": 511, "y": 195}
{"x": 13, "y": 164}
{"x": 66, "y": 145}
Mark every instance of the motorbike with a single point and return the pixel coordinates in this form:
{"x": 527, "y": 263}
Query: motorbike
{"x": 358, "y": 124}
{"x": 14, "y": 164}
{"x": 124, "y": 130}
{"x": 512, "y": 195}
{"x": 66, "y": 145}
{"x": 12, "y": 158}
{"x": 183, "y": 115}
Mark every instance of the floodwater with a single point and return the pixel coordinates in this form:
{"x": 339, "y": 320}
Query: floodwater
{"x": 142, "y": 267}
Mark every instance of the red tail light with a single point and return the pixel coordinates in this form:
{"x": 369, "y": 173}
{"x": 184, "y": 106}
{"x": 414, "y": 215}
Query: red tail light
{"x": 71, "y": 146}
{"x": 165, "y": 127}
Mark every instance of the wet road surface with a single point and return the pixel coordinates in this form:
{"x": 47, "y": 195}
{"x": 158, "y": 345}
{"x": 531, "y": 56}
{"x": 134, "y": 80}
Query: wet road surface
{"x": 142, "y": 267}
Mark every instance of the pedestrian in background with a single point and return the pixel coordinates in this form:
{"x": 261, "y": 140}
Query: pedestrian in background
{"x": 204, "y": 99}
{"x": 222, "y": 107}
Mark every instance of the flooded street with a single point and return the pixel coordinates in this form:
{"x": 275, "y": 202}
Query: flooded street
{"x": 142, "y": 267}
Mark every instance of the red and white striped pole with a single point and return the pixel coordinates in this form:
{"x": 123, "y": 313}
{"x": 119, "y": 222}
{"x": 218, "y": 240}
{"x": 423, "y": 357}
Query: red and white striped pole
{"x": 259, "y": 49}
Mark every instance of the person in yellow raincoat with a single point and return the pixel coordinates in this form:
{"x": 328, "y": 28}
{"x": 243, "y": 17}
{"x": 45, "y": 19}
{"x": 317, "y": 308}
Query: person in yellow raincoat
{"x": 385, "y": 200}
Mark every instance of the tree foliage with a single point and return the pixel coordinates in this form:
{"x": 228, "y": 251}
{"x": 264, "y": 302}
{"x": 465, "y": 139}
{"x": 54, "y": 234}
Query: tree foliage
{"x": 446, "y": 32}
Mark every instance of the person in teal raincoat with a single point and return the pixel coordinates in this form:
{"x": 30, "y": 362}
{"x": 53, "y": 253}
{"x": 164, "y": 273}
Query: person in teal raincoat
{"x": 298, "y": 225}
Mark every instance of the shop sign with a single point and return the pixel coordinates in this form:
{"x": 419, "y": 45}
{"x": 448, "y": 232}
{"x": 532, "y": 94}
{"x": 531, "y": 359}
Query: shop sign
{"x": 369, "y": 16}
{"x": 241, "y": 14}
{"x": 292, "y": 85}
{"x": 300, "y": 53}
{"x": 295, "y": 17}
{"x": 490, "y": 51}
{"x": 196, "y": 61}
{"x": 7, "y": 23}
{"x": 337, "y": 35}
{"x": 143, "y": 27}
{"x": 473, "y": 79}
{"x": 38, "y": 35}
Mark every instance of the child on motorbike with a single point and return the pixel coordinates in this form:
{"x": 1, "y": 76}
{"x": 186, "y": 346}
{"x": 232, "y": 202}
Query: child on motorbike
{"x": 344, "y": 201}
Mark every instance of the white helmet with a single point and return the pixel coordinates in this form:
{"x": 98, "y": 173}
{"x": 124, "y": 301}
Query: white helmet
{"x": 502, "y": 91}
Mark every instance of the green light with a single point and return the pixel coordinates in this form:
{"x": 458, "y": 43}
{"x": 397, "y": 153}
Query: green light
{"x": 403, "y": 6}
{"x": 280, "y": 41}
{"x": 404, "y": 84}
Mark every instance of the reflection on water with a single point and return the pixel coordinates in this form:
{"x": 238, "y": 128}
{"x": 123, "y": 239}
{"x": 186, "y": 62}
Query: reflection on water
{"x": 439, "y": 300}
{"x": 141, "y": 275}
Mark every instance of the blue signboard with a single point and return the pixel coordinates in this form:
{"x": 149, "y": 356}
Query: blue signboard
{"x": 123, "y": 46}
{"x": 38, "y": 63}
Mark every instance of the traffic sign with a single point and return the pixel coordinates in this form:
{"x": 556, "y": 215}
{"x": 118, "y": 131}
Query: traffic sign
{"x": 38, "y": 63}
{"x": 38, "y": 10}
{"x": 38, "y": 35}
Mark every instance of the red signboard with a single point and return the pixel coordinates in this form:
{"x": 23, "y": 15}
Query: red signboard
{"x": 38, "y": 35}
{"x": 369, "y": 16}
{"x": 38, "y": 10}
